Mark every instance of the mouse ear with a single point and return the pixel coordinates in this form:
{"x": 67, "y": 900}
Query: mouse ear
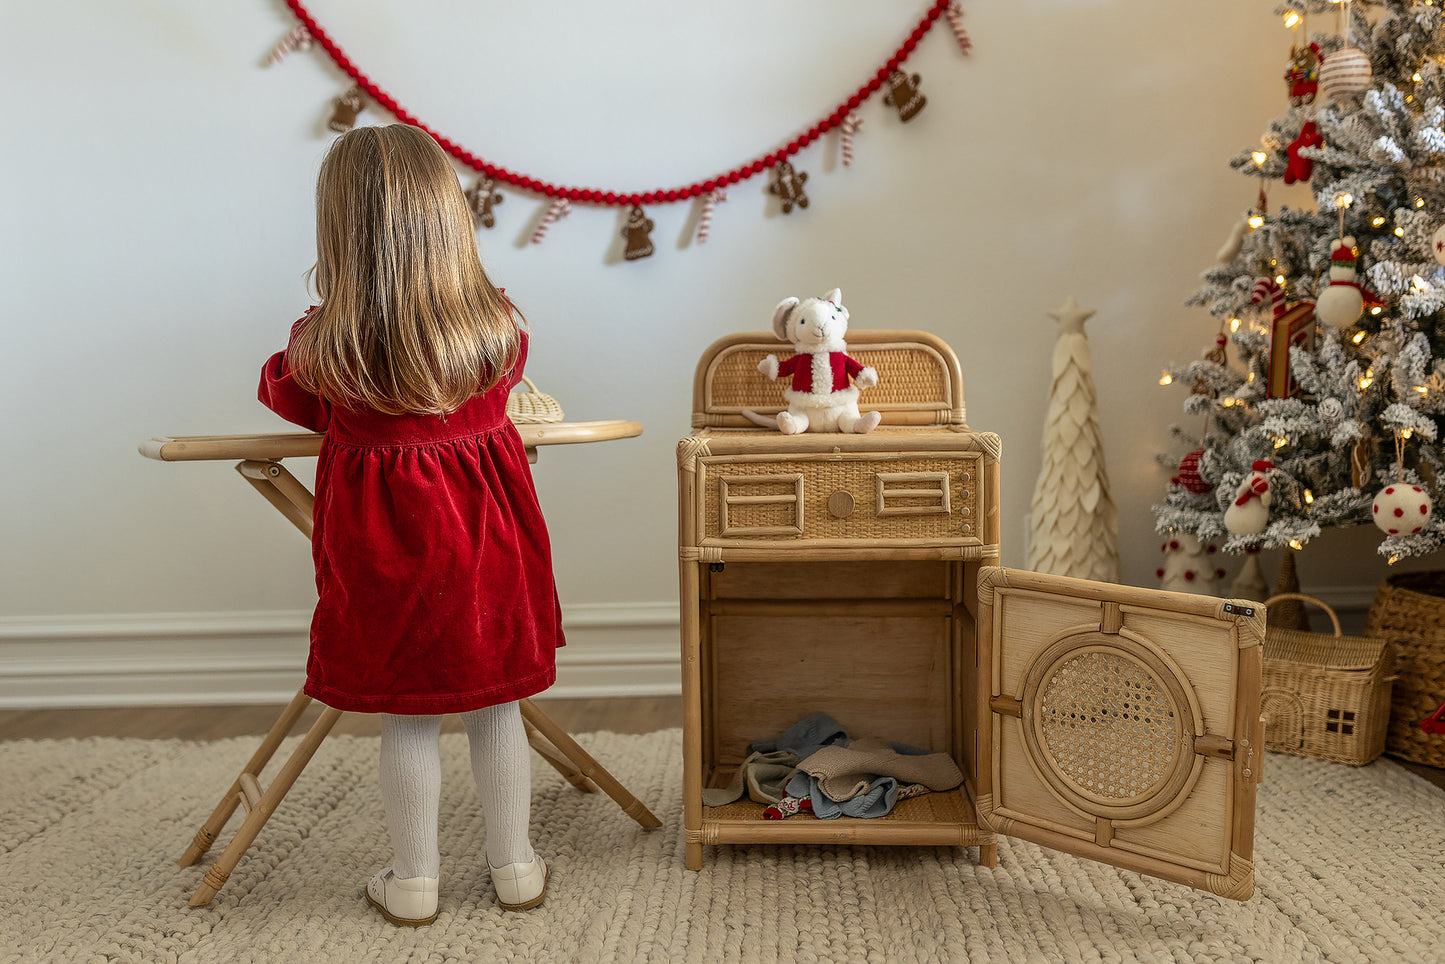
{"x": 835, "y": 296}
{"x": 780, "y": 317}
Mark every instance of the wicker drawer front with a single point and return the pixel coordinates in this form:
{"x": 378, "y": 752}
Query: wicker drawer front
{"x": 912, "y": 497}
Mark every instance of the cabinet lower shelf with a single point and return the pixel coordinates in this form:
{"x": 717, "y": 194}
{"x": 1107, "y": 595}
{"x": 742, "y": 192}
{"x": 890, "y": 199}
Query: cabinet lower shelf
{"x": 946, "y": 819}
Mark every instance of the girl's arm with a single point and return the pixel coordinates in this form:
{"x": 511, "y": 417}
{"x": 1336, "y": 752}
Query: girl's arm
{"x": 514, "y": 378}
{"x": 280, "y": 393}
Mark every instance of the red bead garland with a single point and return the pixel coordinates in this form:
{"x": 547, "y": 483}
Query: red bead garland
{"x": 609, "y": 198}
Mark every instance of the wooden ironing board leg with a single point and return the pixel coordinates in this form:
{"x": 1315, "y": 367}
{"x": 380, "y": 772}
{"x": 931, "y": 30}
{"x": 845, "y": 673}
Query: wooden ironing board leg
{"x": 294, "y": 501}
{"x": 587, "y": 766}
{"x": 261, "y": 804}
{"x": 212, "y": 827}
{"x": 558, "y": 759}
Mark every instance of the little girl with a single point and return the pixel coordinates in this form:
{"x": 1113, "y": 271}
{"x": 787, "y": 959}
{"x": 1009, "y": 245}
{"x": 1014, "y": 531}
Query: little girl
{"x": 433, "y": 566}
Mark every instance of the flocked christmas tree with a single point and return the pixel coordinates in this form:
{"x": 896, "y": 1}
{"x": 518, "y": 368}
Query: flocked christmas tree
{"x": 1322, "y": 403}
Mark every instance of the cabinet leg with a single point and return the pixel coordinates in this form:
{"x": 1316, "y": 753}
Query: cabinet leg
{"x": 988, "y": 855}
{"x": 694, "y": 856}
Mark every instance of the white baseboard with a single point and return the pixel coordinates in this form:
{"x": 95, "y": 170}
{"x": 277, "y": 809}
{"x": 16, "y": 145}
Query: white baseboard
{"x": 179, "y": 659}
{"x": 175, "y": 659}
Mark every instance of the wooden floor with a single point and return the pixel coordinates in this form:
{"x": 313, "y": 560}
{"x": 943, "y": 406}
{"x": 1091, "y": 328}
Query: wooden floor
{"x": 620, "y": 715}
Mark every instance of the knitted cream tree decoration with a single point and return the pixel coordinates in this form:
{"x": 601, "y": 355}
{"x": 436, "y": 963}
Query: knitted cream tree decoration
{"x": 1074, "y": 524}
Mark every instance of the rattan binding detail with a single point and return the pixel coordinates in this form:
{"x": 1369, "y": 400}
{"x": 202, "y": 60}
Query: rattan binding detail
{"x": 532, "y": 406}
{"x": 1409, "y": 612}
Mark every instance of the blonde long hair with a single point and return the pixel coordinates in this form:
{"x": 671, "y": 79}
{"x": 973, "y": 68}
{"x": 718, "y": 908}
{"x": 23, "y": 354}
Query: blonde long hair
{"x": 408, "y": 320}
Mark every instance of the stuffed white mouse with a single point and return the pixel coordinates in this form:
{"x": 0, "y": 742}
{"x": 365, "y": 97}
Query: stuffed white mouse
{"x": 821, "y": 397}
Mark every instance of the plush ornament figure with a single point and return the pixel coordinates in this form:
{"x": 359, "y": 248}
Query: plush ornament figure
{"x": 1189, "y": 566}
{"x": 820, "y": 397}
{"x": 1298, "y": 168}
{"x": 1189, "y": 476}
{"x": 1401, "y": 509}
{"x": 1344, "y": 72}
{"x": 1343, "y": 301}
{"x": 1235, "y": 242}
{"x": 1248, "y": 514}
{"x": 1303, "y": 75}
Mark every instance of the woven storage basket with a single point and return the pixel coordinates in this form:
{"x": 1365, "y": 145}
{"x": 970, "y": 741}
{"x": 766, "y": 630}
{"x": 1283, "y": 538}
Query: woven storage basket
{"x": 1409, "y": 611}
{"x": 1325, "y": 696}
{"x": 532, "y": 406}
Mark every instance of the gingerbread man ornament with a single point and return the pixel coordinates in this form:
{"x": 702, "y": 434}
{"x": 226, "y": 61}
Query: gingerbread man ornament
{"x": 348, "y": 105}
{"x": 482, "y": 197}
{"x": 903, "y": 94}
{"x": 639, "y": 245}
{"x": 788, "y": 186}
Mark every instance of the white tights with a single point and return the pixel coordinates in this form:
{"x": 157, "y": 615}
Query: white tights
{"x": 411, "y": 777}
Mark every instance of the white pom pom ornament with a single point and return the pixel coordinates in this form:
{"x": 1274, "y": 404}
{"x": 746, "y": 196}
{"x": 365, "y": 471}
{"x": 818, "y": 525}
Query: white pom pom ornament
{"x": 1344, "y": 72}
{"x": 1402, "y": 509}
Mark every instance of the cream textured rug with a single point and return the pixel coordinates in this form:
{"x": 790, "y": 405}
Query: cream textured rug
{"x": 1351, "y": 867}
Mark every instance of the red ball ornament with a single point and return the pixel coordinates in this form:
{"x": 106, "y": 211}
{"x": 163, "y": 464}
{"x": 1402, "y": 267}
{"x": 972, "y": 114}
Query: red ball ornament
{"x": 1189, "y": 476}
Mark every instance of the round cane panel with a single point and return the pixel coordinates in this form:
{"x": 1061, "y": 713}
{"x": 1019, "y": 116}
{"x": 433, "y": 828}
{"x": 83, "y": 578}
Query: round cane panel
{"x": 1108, "y": 726}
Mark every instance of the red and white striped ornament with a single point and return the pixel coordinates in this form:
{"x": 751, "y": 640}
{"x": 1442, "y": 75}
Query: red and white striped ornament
{"x": 955, "y": 20}
{"x": 704, "y": 221}
{"x": 850, "y": 126}
{"x": 298, "y": 39}
{"x": 559, "y": 208}
{"x": 1344, "y": 72}
{"x": 1266, "y": 289}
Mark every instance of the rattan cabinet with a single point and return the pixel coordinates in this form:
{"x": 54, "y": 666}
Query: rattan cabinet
{"x": 858, "y": 575}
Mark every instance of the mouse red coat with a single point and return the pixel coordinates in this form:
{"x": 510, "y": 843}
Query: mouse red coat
{"x": 433, "y": 565}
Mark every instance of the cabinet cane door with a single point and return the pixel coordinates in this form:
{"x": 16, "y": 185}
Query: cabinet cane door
{"x": 1121, "y": 724}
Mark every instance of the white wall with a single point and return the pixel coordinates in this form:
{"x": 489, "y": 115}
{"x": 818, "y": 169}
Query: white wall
{"x": 158, "y": 224}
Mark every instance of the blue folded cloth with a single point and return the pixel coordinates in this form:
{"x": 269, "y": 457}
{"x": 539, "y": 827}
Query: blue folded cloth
{"x": 806, "y": 737}
{"x": 878, "y": 800}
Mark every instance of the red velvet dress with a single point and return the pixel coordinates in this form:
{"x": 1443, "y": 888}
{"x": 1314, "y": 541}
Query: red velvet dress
{"x": 433, "y": 566}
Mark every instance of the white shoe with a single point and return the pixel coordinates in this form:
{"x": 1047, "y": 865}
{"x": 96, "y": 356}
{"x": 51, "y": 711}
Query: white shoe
{"x": 521, "y": 886}
{"x": 406, "y": 901}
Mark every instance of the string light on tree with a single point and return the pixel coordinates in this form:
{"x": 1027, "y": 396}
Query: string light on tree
{"x": 1322, "y": 412}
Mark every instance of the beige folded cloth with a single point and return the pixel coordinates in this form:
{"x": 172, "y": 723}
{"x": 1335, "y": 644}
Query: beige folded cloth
{"x": 762, "y": 775}
{"x": 843, "y": 772}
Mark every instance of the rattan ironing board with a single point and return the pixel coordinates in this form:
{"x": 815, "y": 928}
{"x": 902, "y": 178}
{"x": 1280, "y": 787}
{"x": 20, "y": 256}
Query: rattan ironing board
{"x": 260, "y": 464}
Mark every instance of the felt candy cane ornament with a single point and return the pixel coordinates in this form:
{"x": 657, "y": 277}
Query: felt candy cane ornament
{"x": 558, "y": 209}
{"x": 850, "y": 126}
{"x": 704, "y": 221}
{"x": 954, "y": 13}
{"x": 298, "y": 39}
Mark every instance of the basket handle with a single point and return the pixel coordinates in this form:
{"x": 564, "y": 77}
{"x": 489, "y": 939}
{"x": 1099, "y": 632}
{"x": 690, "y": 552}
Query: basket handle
{"x": 1309, "y": 599}
{"x": 531, "y": 386}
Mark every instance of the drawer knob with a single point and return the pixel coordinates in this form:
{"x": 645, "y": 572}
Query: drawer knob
{"x": 841, "y": 504}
